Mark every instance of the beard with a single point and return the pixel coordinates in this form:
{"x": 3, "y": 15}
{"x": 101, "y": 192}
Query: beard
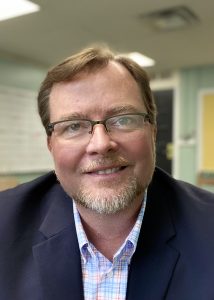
{"x": 110, "y": 200}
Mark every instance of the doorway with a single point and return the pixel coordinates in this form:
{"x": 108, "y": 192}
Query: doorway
{"x": 164, "y": 144}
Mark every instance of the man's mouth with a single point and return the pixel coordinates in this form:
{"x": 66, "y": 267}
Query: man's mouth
{"x": 104, "y": 170}
{"x": 106, "y": 166}
{"x": 108, "y": 171}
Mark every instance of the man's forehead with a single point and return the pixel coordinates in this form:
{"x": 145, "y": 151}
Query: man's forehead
{"x": 112, "y": 68}
{"x": 107, "y": 112}
{"x": 103, "y": 94}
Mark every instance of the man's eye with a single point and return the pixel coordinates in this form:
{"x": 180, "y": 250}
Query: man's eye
{"x": 125, "y": 121}
{"x": 73, "y": 127}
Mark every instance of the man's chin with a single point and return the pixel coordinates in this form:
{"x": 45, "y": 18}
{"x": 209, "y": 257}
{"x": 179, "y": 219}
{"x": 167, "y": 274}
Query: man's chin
{"x": 109, "y": 200}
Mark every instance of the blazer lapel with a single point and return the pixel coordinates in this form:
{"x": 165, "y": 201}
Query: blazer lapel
{"x": 154, "y": 261}
{"x": 150, "y": 273}
{"x": 57, "y": 258}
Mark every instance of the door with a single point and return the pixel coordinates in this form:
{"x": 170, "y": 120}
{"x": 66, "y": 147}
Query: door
{"x": 164, "y": 146}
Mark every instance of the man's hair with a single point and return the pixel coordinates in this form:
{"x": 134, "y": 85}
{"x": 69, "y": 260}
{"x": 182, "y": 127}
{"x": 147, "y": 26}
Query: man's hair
{"x": 90, "y": 60}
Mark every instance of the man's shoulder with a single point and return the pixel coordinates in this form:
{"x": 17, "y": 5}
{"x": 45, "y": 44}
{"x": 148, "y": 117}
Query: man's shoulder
{"x": 188, "y": 208}
{"x": 29, "y": 196}
{"x": 186, "y": 203}
{"x": 179, "y": 188}
{"x": 38, "y": 185}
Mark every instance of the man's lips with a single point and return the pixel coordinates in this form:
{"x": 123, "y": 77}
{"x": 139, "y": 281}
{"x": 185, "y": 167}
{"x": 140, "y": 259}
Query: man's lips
{"x": 106, "y": 171}
{"x": 103, "y": 170}
{"x": 105, "y": 166}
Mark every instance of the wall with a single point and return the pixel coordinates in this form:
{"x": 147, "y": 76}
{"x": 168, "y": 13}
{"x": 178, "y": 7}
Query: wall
{"x": 19, "y": 74}
{"x": 192, "y": 81}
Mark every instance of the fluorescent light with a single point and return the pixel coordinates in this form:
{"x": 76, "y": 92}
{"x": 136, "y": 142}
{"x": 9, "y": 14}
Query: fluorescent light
{"x": 14, "y": 8}
{"x": 141, "y": 59}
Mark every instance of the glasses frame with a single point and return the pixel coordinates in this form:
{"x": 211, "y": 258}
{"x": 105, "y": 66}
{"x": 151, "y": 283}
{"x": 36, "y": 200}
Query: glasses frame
{"x": 50, "y": 127}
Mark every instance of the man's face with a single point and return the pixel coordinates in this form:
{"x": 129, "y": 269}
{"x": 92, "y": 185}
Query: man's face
{"x": 104, "y": 173}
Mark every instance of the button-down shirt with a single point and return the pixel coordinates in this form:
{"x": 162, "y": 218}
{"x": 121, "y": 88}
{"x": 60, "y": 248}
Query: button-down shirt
{"x": 103, "y": 279}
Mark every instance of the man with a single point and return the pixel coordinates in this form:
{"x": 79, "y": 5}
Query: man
{"x": 107, "y": 224}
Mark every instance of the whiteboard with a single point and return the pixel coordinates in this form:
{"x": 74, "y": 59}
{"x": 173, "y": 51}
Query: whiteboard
{"x": 22, "y": 137}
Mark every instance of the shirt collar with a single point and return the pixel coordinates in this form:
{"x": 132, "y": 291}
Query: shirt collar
{"x": 129, "y": 244}
{"x": 81, "y": 235}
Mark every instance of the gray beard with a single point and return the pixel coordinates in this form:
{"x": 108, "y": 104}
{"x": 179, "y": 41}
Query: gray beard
{"x": 105, "y": 203}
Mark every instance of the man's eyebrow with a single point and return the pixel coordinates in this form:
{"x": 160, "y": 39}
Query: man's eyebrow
{"x": 122, "y": 110}
{"x": 110, "y": 112}
{"x": 73, "y": 116}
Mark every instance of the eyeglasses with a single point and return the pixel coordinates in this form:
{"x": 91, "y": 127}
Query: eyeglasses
{"x": 76, "y": 129}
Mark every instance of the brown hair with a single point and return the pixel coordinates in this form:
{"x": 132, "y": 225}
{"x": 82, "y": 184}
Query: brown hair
{"x": 92, "y": 59}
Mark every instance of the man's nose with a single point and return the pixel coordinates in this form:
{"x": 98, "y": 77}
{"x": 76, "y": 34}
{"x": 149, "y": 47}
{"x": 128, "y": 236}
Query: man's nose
{"x": 101, "y": 141}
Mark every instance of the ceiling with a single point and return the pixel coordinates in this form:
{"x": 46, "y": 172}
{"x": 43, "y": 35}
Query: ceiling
{"x": 63, "y": 27}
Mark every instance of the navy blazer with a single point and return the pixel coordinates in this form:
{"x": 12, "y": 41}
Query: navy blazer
{"x": 40, "y": 258}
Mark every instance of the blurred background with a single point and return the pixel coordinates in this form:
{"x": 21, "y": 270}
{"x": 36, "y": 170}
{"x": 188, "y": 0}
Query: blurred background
{"x": 177, "y": 35}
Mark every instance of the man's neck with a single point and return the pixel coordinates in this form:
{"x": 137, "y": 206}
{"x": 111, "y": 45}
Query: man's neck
{"x": 108, "y": 232}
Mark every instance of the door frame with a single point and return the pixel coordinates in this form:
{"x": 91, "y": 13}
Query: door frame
{"x": 173, "y": 84}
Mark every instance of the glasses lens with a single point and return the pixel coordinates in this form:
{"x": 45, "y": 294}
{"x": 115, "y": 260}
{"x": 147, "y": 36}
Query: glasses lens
{"x": 125, "y": 122}
{"x": 72, "y": 129}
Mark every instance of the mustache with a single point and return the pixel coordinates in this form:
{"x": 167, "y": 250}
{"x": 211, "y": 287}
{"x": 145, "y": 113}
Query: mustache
{"x": 103, "y": 162}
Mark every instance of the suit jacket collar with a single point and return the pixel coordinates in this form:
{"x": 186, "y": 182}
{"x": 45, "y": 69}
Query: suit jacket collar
{"x": 58, "y": 258}
{"x": 155, "y": 258}
{"x": 59, "y": 215}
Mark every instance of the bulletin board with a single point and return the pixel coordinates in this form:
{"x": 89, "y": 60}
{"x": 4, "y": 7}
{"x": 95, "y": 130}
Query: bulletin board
{"x": 206, "y": 132}
{"x": 207, "y": 128}
{"x": 22, "y": 137}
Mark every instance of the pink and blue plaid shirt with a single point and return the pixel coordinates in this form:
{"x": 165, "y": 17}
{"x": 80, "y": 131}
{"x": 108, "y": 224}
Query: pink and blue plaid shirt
{"x": 103, "y": 279}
